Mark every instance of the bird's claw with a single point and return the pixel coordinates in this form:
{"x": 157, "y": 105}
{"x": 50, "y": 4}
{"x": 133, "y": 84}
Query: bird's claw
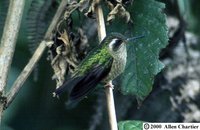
{"x": 110, "y": 85}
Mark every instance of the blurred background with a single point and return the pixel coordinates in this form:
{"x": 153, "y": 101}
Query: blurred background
{"x": 175, "y": 96}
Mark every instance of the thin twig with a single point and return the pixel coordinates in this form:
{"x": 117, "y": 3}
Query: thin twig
{"x": 109, "y": 91}
{"x": 8, "y": 42}
{"x": 36, "y": 56}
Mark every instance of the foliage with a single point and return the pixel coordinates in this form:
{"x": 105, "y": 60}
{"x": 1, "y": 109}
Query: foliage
{"x": 130, "y": 125}
{"x": 143, "y": 59}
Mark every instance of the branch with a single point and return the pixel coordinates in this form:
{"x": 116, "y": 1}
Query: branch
{"x": 36, "y": 56}
{"x": 25, "y": 73}
{"x": 8, "y": 42}
{"x": 100, "y": 21}
{"x": 109, "y": 91}
{"x": 111, "y": 107}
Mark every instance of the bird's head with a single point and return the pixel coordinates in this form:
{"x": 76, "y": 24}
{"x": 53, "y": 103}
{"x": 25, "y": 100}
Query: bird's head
{"x": 116, "y": 42}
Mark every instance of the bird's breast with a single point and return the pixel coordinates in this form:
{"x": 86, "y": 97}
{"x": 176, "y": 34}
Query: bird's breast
{"x": 118, "y": 67}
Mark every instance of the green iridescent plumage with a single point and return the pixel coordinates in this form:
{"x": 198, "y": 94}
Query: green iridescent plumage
{"x": 92, "y": 60}
{"x": 99, "y": 55}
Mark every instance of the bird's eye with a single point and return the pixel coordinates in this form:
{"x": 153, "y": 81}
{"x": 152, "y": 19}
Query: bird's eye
{"x": 115, "y": 44}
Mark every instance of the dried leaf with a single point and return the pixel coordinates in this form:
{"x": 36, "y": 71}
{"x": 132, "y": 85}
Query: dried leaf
{"x": 64, "y": 37}
{"x": 66, "y": 52}
{"x": 120, "y": 11}
{"x": 110, "y": 5}
{"x": 60, "y": 68}
{"x": 68, "y": 47}
{"x": 124, "y": 2}
{"x": 91, "y": 12}
{"x": 62, "y": 56}
{"x": 72, "y": 6}
{"x": 83, "y": 4}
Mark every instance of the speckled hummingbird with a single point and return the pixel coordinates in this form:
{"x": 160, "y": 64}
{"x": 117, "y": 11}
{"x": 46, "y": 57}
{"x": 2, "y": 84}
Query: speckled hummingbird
{"x": 103, "y": 64}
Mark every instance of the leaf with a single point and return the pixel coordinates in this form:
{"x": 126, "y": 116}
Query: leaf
{"x": 71, "y": 7}
{"x": 83, "y": 4}
{"x": 90, "y": 13}
{"x": 130, "y": 125}
{"x": 143, "y": 55}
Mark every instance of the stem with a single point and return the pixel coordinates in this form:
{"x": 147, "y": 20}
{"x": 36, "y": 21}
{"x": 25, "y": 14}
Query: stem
{"x": 8, "y": 42}
{"x": 36, "y": 56}
{"x": 108, "y": 89}
{"x": 9, "y": 38}
{"x": 25, "y": 73}
{"x": 111, "y": 108}
{"x": 100, "y": 21}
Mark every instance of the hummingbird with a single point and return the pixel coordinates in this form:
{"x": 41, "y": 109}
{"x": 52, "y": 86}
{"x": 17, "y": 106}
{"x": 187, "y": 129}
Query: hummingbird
{"x": 102, "y": 65}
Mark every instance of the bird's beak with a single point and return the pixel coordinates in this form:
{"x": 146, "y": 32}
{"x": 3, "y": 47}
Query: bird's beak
{"x": 134, "y": 38}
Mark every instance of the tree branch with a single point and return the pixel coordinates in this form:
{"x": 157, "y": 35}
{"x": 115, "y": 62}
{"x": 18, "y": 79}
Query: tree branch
{"x": 36, "y": 56}
{"x": 111, "y": 107}
{"x": 25, "y": 73}
{"x": 8, "y": 42}
{"x": 109, "y": 91}
{"x": 100, "y": 21}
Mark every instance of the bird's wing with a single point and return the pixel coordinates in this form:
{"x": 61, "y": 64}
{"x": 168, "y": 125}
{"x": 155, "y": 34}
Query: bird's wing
{"x": 80, "y": 86}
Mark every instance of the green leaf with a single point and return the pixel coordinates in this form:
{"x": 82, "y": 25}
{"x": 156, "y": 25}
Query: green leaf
{"x": 143, "y": 55}
{"x": 130, "y": 125}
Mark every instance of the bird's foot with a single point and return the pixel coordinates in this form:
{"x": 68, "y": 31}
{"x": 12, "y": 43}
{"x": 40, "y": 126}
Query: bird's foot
{"x": 109, "y": 84}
